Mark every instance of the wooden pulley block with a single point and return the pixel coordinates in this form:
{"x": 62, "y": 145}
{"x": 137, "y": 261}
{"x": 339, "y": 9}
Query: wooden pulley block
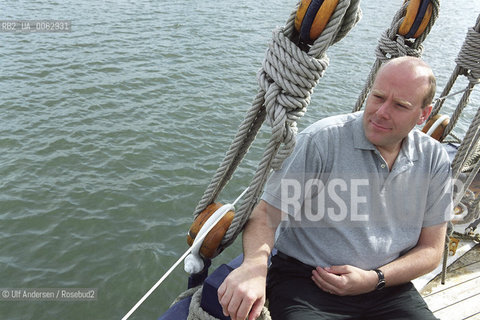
{"x": 209, "y": 248}
{"x": 312, "y": 17}
{"x": 416, "y": 18}
{"x": 435, "y": 127}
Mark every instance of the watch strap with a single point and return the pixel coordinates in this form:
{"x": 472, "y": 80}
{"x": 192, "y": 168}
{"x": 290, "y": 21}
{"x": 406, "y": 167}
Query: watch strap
{"x": 381, "y": 280}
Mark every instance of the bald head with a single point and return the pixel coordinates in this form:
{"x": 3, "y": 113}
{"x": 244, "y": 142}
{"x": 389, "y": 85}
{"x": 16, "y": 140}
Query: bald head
{"x": 418, "y": 69}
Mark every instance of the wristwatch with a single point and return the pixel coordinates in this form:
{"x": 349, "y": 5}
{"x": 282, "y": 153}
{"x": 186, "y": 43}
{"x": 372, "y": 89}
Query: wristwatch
{"x": 381, "y": 280}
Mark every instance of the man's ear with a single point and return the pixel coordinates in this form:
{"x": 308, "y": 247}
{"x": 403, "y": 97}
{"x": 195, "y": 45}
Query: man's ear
{"x": 425, "y": 113}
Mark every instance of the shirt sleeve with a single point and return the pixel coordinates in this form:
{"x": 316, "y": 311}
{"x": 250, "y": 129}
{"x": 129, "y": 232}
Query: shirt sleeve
{"x": 439, "y": 207}
{"x": 285, "y": 188}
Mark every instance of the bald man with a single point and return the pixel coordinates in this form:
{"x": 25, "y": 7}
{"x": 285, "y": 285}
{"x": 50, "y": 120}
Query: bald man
{"x": 356, "y": 212}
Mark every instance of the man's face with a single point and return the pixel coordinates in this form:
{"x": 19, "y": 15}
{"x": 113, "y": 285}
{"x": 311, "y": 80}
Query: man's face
{"x": 394, "y": 106}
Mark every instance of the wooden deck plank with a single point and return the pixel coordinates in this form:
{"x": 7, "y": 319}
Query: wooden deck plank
{"x": 475, "y": 316}
{"x": 426, "y": 280}
{"x": 451, "y": 281}
{"x": 459, "y": 298}
{"x": 460, "y": 309}
{"x": 454, "y": 293}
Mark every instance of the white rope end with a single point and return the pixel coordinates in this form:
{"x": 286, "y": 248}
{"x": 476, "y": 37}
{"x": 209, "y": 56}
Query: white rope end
{"x": 193, "y": 264}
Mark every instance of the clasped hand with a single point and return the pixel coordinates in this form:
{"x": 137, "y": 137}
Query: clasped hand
{"x": 344, "y": 280}
{"x": 242, "y": 293}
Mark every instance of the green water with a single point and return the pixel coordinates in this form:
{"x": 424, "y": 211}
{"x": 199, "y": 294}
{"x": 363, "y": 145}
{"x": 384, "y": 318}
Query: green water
{"x": 110, "y": 133}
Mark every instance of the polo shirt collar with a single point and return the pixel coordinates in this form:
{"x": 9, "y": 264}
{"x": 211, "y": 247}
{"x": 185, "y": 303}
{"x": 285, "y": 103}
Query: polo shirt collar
{"x": 409, "y": 148}
{"x": 359, "y": 139}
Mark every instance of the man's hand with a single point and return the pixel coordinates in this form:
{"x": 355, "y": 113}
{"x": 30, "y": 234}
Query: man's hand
{"x": 345, "y": 280}
{"x": 242, "y": 293}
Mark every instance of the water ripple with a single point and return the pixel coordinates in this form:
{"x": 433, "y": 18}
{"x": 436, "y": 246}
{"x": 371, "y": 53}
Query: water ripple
{"x": 110, "y": 133}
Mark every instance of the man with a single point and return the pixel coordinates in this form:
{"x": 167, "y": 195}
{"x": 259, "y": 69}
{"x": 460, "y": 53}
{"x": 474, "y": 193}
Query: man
{"x": 361, "y": 205}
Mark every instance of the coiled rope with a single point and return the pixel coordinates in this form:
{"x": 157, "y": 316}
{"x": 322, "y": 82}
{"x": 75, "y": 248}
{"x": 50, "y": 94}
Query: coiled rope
{"x": 393, "y": 45}
{"x": 286, "y": 80}
{"x": 197, "y": 313}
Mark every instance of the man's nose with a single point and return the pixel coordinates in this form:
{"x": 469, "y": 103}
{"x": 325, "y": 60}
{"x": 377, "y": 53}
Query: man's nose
{"x": 384, "y": 110}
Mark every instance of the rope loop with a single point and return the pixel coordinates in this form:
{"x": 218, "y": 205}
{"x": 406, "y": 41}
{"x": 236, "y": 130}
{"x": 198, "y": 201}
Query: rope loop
{"x": 288, "y": 77}
{"x": 289, "y": 74}
{"x": 392, "y": 45}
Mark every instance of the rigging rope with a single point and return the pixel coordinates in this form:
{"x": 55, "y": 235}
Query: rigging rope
{"x": 468, "y": 154}
{"x": 465, "y": 165}
{"x": 468, "y": 64}
{"x": 392, "y": 45}
{"x": 286, "y": 82}
{"x": 195, "y": 311}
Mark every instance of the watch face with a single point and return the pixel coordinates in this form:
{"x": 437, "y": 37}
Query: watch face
{"x": 380, "y": 285}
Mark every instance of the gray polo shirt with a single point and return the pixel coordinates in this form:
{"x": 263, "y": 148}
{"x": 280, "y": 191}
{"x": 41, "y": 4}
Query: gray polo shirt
{"x": 344, "y": 205}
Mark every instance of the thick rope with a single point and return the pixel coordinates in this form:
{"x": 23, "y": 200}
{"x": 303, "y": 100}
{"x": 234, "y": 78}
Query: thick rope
{"x": 446, "y": 90}
{"x": 468, "y": 155}
{"x": 288, "y": 77}
{"x": 392, "y": 45}
{"x": 468, "y": 63}
{"x": 470, "y": 201}
{"x": 195, "y": 311}
{"x": 286, "y": 81}
{"x": 239, "y": 147}
{"x": 468, "y": 146}
{"x": 187, "y": 293}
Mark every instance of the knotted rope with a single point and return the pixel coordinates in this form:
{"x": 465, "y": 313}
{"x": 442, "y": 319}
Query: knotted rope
{"x": 286, "y": 82}
{"x": 468, "y": 64}
{"x": 393, "y": 45}
{"x": 468, "y": 155}
{"x": 195, "y": 311}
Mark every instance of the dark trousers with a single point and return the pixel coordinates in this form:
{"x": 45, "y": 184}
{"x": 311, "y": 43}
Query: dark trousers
{"x": 293, "y": 295}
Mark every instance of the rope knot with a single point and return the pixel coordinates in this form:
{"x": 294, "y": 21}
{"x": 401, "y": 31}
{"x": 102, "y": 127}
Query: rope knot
{"x": 286, "y": 82}
{"x": 391, "y": 45}
{"x": 288, "y": 77}
{"x": 469, "y": 55}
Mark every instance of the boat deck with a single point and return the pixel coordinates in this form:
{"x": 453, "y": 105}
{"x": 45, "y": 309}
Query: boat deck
{"x": 459, "y": 297}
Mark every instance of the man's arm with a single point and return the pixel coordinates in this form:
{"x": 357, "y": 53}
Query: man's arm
{"x": 243, "y": 291}
{"x": 423, "y": 258}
